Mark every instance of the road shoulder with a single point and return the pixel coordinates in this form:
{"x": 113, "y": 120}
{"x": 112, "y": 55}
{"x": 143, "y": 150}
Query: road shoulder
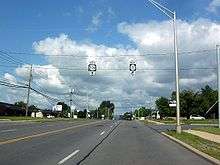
{"x": 189, "y": 147}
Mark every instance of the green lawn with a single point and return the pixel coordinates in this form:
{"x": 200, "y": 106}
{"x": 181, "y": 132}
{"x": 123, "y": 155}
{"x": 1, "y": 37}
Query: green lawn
{"x": 148, "y": 122}
{"x": 213, "y": 130}
{"x": 206, "y": 146}
{"x": 206, "y": 121}
{"x": 18, "y": 118}
{"x": 171, "y": 121}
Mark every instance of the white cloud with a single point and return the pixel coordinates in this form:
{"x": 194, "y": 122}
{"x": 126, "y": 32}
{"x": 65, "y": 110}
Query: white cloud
{"x": 95, "y": 22}
{"x": 146, "y": 85}
{"x": 10, "y": 78}
{"x": 213, "y": 6}
{"x": 191, "y": 35}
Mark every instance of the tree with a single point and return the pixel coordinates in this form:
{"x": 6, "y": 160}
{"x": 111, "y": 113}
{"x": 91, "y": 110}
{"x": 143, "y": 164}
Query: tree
{"x": 187, "y": 103}
{"x": 127, "y": 116}
{"x": 142, "y": 112}
{"x": 162, "y": 105}
{"x": 21, "y": 110}
{"x": 21, "y": 104}
{"x": 191, "y": 102}
{"x": 65, "y": 109}
{"x": 33, "y": 108}
{"x": 82, "y": 114}
{"x": 106, "y": 108}
{"x": 93, "y": 113}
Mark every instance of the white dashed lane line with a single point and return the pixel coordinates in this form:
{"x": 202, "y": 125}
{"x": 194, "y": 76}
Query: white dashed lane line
{"x": 68, "y": 157}
{"x": 102, "y": 132}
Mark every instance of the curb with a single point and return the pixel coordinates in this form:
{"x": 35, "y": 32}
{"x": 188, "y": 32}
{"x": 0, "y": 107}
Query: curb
{"x": 189, "y": 147}
{"x": 156, "y": 122}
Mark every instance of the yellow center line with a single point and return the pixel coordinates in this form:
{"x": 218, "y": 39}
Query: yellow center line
{"x": 45, "y": 133}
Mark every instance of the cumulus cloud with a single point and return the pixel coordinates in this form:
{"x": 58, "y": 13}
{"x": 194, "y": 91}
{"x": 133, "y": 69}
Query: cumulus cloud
{"x": 201, "y": 33}
{"x": 68, "y": 59}
{"x": 213, "y": 6}
{"x": 10, "y": 78}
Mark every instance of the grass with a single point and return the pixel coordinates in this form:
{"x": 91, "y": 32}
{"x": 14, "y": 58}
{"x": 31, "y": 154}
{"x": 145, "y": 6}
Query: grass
{"x": 28, "y": 118}
{"x": 213, "y": 130}
{"x": 19, "y": 118}
{"x": 148, "y": 122}
{"x": 185, "y": 121}
{"x": 206, "y": 121}
{"x": 206, "y": 146}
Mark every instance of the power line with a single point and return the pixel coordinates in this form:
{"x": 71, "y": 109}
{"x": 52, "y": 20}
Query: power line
{"x": 11, "y": 58}
{"x": 111, "y": 56}
{"x": 116, "y": 69}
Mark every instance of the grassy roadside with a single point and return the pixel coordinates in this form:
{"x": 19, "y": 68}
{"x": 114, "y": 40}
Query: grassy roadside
{"x": 206, "y": 121}
{"x": 206, "y": 146}
{"x": 24, "y": 118}
{"x": 147, "y": 122}
{"x": 184, "y": 121}
{"x": 19, "y": 118}
{"x": 213, "y": 130}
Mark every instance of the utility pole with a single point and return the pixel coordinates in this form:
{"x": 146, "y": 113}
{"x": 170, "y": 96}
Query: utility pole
{"x": 71, "y": 101}
{"x": 108, "y": 114}
{"x": 218, "y": 76}
{"x": 87, "y": 102}
{"x": 28, "y": 92}
{"x": 97, "y": 113}
{"x": 172, "y": 16}
{"x": 138, "y": 113}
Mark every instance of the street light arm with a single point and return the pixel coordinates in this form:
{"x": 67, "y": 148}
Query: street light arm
{"x": 163, "y": 9}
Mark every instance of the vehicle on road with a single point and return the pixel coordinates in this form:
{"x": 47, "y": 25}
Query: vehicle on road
{"x": 197, "y": 117}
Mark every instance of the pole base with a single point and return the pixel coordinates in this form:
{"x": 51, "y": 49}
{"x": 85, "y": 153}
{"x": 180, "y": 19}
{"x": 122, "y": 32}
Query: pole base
{"x": 178, "y": 129}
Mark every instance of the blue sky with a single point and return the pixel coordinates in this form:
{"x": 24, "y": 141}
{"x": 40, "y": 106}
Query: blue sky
{"x": 87, "y": 24}
{"x": 25, "y": 21}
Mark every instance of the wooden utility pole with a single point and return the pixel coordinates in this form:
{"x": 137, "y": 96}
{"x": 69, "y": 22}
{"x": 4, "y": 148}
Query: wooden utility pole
{"x": 28, "y": 93}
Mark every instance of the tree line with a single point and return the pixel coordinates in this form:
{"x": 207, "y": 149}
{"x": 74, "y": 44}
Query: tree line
{"x": 106, "y": 109}
{"x": 191, "y": 103}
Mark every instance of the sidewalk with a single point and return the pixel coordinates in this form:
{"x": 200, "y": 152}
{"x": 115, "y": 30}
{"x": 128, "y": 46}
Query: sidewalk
{"x": 205, "y": 135}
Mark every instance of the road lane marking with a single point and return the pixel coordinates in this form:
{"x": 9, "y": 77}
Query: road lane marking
{"x": 102, "y": 132}
{"x": 8, "y": 130}
{"x": 45, "y": 133}
{"x": 68, "y": 157}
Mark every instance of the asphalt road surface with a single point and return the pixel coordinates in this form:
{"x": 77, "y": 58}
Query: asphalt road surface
{"x": 90, "y": 143}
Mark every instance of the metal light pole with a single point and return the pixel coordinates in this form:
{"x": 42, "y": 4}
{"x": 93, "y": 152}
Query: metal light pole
{"x": 172, "y": 16}
{"x": 218, "y": 76}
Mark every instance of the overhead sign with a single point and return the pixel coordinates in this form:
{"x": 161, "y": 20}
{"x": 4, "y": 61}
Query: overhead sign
{"x": 172, "y": 103}
{"x": 132, "y": 67}
{"x": 92, "y": 68}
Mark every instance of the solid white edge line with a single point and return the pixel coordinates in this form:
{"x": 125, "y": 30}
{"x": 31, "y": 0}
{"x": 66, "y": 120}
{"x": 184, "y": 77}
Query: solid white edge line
{"x": 8, "y": 130}
{"x": 102, "y": 132}
{"x": 68, "y": 157}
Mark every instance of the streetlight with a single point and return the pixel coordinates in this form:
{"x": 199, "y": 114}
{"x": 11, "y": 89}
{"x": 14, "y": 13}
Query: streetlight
{"x": 172, "y": 16}
{"x": 218, "y": 76}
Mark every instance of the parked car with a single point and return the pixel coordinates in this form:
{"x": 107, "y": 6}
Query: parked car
{"x": 196, "y": 117}
{"x": 50, "y": 116}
